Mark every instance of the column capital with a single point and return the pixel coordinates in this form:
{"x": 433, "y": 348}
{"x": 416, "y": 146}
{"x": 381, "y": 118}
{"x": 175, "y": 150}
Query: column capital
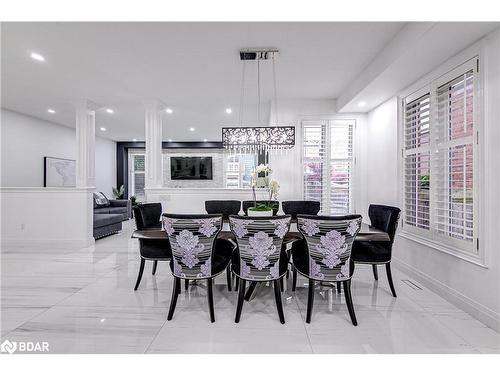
{"x": 85, "y": 104}
{"x": 154, "y": 105}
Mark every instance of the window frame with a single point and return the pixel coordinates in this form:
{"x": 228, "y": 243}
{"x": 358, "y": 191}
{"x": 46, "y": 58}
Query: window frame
{"x": 469, "y": 251}
{"x": 131, "y": 171}
{"x": 327, "y": 161}
{"x": 225, "y": 160}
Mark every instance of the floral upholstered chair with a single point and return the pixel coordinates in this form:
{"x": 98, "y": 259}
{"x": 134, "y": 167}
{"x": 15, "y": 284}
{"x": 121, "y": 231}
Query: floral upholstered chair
{"x": 259, "y": 256}
{"x": 327, "y": 253}
{"x": 197, "y": 254}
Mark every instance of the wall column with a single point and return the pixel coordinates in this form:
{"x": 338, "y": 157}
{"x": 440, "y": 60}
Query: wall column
{"x": 85, "y": 145}
{"x": 153, "y": 133}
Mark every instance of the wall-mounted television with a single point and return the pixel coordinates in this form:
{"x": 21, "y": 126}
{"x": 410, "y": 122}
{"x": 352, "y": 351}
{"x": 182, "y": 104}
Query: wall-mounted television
{"x": 191, "y": 168}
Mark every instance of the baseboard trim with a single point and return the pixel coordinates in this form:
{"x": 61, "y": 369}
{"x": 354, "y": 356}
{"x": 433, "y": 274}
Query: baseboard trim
{"x": 477, "y": 310}
{"x": 54, "y": 243}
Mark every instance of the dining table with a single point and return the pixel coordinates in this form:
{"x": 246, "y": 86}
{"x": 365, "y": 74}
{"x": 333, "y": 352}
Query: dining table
{"x": 366, "y": 233}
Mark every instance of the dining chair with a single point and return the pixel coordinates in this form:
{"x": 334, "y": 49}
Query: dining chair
{"x": 259, "y": 256}
{"x": 147, "y": 217}
{"x": 377, "y": 253}
{"x": 295, "y": 208}
{"x": 327, "y": 254}
{"x": 197, "y": 254}
{"x": 224, "y": 207}
{"x": 247, "y": 204}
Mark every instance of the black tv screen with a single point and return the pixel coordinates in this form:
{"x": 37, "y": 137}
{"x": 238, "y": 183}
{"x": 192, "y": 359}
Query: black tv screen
{"x": 191, "y": 168}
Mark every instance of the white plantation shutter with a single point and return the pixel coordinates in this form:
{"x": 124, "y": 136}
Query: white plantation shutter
{"x": 454, "y": 158}
{"x": 417, "y": 162}
{"x": 340, "y": 166}
{"x": 327, "y": 163}
{"x": 439, "y": 161}
{"x": 314, "y": 161}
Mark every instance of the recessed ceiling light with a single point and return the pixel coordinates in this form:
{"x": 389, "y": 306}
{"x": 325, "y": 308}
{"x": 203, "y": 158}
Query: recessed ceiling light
{"x": 191, "y": 129}
{"x": 229, "y": 111}
{"x": 169, "y": 110}
{"x": 205, "y": 140}
{"x": 109, "y": 110}
{"x": 37, "y": 56}
{"x": 170, "y": 139}
{"x": 50, "y": 110}
{"x": 103, "y": 129}
{"x": 361, "y": 103}
{"x": 134, "y": 140}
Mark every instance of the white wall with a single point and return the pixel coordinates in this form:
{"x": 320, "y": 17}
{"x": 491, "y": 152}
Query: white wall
{"x": 105, "y": 166}
{"x": 46, "y": 217}
{"x": 287, "y": 167}
{"x": 26, "y": 140}
{"x": 472, "y": 287}
{"x": 382, "y": 157}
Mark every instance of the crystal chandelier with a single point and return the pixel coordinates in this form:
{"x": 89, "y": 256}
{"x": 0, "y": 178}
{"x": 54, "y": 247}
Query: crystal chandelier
{"x": 251, "y": 139}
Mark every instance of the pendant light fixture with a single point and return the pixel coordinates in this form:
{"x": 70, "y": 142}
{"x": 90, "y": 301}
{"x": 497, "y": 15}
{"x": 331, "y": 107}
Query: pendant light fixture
{"x": 251, "y": 139}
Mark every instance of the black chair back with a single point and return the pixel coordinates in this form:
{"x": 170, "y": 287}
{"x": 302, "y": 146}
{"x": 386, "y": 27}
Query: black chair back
{"x": 329, "y": 242}
{"x": 260, "y": 241}
{"x": 224, "y": 207}
{"x": 295, "y": 208}
{"x": 192, "y": 239}
{"x": 147, "y": 216}
{"x": 248, "y": 204}
{"x": 384, "y": 218}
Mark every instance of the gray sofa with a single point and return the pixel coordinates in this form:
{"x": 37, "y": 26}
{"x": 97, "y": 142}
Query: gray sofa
{"x": 108, "y": 216}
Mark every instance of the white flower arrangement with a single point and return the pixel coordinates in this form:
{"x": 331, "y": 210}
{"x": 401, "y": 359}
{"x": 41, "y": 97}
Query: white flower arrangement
{"x": 263, "y": 168}
{"x": 272, "y": 186}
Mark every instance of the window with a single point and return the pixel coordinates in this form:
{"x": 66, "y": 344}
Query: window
{"x": 327, "y": 164}
{"x": 417, "y": 162}
{"x": 440, "y": 150}
{"x": 136, "y": 175}
{"x": 239, "y": 170}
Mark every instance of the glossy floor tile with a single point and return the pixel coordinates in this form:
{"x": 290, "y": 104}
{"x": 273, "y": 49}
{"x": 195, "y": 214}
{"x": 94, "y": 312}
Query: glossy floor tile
{"x": 82, "y": 301}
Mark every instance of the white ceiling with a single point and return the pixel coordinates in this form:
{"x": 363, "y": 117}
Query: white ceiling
{"x": 194, "y": 68}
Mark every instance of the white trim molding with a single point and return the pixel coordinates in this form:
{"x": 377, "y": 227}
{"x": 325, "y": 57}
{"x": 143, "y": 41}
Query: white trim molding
{"x": 477, "y": 310}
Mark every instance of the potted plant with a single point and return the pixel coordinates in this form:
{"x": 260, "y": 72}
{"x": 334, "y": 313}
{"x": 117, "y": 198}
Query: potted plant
{"x": 260, "y": 177}
{"x": 133, "y": 202}
{"x": 119, "y": 192}
{"x": 424, "y": 181}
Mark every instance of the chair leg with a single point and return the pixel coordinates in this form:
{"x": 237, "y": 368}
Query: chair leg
{"x": 175, "y": 293}
{"x": 375, "y": 272}
{"x": 277, "y": 296}
{"x": 139, "y": 277}
{"x": 289, "y": 254}
{"x": 310, "y": 301}
{"x": 348, "y": 300}
{"x": 237, "y": 284}
{"x": 155, "y": 264}
{"x": 250, "y": 290}
{"x": 228, "y": 277}
{"x": 241, "y": 297}
{"x": 389, "y": 277}
{"x": 186, "y": 284}
{"x": 294, "y": 279}
{"x": 282, "y": 285}
{"x": 210, "y": 296}
{"x": 339, "y": 288}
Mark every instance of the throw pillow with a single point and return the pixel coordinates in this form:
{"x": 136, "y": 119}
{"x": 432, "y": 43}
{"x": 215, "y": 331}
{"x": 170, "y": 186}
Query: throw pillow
{"x": 101, "y": 200}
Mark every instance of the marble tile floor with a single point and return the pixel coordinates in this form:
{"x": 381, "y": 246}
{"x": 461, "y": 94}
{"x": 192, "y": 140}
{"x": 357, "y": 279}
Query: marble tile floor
{"x": 82, "y": 301}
